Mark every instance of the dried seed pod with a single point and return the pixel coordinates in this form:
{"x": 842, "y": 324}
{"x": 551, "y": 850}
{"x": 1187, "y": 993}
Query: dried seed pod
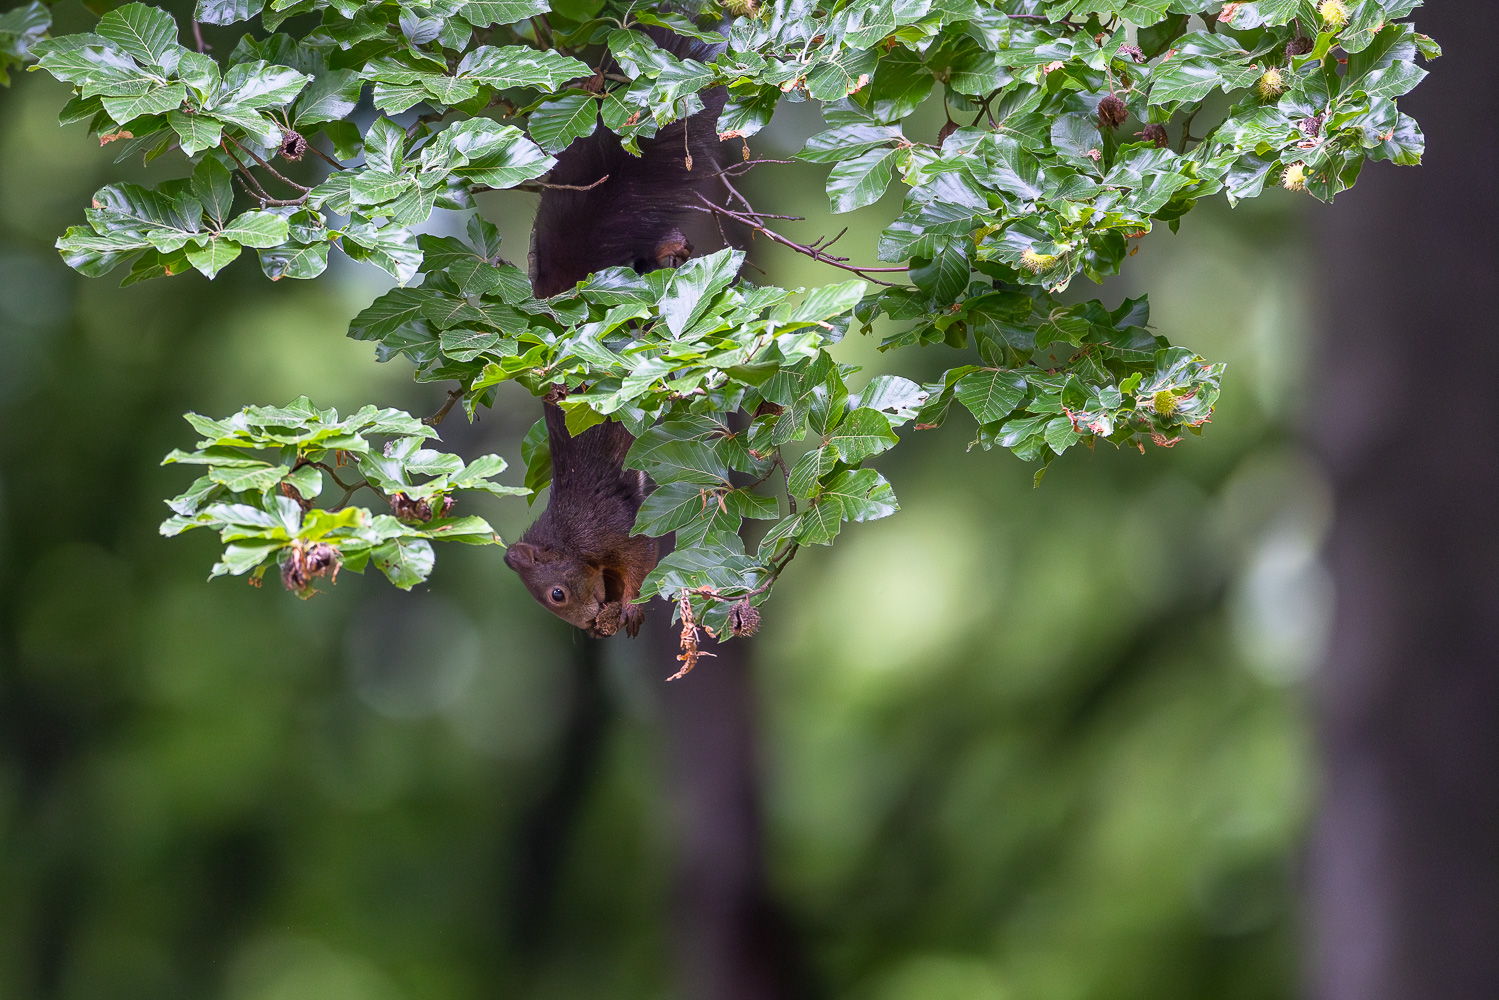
{"x": 294, "y": 570}
{"x": 1298, "y": 46}
{"x": 744, "y": 619}
{"x": 321, "y": 558}
{"x": 1311, "y": 127}
{"x": 1133, "y": 51}
{"x": 1111, "y": 112}
{"x": 409, "y": 510}
{"x": 1155, "y": 133}
{"x": 448, "y": 503}
{"x": 293, "y": 146}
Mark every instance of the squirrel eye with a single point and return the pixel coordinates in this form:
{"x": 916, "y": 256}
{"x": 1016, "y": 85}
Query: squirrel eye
{"x": 559, "y": 595}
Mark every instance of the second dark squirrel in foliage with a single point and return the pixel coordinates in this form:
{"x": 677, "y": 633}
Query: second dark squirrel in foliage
{"x": 579, "y": 559}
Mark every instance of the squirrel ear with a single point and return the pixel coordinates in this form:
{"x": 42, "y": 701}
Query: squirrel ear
{"x": 521, "y": 555}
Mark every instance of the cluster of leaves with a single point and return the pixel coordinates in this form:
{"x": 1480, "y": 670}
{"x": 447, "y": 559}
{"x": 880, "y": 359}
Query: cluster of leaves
{"x": 1045, "y": 182}
{"x": 1070, "y": 133}
{"x": 268, "y": 465}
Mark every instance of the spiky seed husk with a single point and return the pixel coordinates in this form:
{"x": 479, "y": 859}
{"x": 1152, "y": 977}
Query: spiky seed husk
{"x": 1334, "y": 14}
{"x": 1111, "y": 112}
{"x": 1155, "y": 133}
{"x": 1036, "y": 262}
{"x": 292, "y": 145}
{"x": 1294, "y": 179}
{"x": 744, "y": 619}
{"x": 1270, "y": 85}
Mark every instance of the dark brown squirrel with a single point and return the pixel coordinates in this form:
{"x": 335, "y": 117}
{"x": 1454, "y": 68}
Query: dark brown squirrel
{"x": 579, "y": 559}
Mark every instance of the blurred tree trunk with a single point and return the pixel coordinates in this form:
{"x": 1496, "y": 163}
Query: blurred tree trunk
{"x": 1405, "y": 862}
{"x": 731, "y": 940}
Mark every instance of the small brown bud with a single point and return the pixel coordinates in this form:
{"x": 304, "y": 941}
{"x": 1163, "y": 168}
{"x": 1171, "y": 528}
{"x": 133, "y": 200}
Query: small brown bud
{"x": 1111, "y": 112}
{"x": 292, "y": 145}
{"x": 1155, "y": 133}
{"x": 744, "y": 619}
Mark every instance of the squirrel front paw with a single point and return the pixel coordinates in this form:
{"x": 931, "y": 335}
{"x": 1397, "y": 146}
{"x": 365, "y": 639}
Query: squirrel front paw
{"x": 609, "y": 618}
{"x": 634, "y": 618}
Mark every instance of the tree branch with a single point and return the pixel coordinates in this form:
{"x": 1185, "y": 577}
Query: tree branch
{"x": 454, "y": 395}
{"x": 755, "y": 221}
{"x": 268, "y": 168}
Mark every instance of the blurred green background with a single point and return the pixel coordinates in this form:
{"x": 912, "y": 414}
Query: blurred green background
{"x": 1027, "y": 743}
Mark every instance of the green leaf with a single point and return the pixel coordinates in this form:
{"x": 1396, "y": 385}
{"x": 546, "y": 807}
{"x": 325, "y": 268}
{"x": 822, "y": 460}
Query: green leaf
{"x": 228, "y": 11}
{"x": 861, "y": 181}
{"x": 148, "y": 34}
{"x": 294, "y": 261}
{"x": 332, "y": 96}
{"x": 991, "y": 395}
{"x": 406, "y": 562}
{"x": 213, "y": 189}
{"x": 483, "y": 13}
{"x": 198, "y": 132}
{"x": 862, "y": 434}
{"x": 555, "y": 124}
{"x": 213, "y": 257}
{"x": 158, "y": 99}
{"x": 502, "y": 66}
{"x": 257, "y": 229}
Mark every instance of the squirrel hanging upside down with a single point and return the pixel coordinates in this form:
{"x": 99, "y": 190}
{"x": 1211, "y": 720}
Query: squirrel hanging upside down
{"x": 579, "y": 559}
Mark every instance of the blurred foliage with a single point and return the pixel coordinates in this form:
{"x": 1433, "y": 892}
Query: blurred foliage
{"x": 1019, "y": 743}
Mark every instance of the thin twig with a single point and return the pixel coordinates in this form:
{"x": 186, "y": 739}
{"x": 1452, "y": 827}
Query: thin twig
{"x": 270, "y": 169}
{"x": 786, "y": 480}
{"x": 536, "y": 187}
{"x": 755, "y": 223}
{"x": 1187, "y": 130}
{"x": 198, "y": 37}
{"x": 325, "y": 157}
{"x": 743, "y": 166}
{"x": 454, "y": 395}
{"x": 248, "y": 179}
{"x": 349, "y": 492}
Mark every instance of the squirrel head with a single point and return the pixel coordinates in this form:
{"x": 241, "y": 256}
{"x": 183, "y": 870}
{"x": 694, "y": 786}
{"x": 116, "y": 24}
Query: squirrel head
{"x": 565, "y": 585}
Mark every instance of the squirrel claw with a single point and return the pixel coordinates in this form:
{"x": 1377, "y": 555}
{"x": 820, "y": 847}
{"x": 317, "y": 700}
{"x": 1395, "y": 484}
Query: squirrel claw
{"x": 634, "y": 618}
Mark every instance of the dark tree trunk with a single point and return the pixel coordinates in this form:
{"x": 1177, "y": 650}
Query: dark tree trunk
{"x": 731, "y": 940}
{"x": 1405, "y": 863}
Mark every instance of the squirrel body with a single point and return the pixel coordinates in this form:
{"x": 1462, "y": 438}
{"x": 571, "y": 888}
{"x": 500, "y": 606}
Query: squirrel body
{"x": 579, "y": 559}
{"x": 607, "y": 208}
{"x": 632, "y": 217}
